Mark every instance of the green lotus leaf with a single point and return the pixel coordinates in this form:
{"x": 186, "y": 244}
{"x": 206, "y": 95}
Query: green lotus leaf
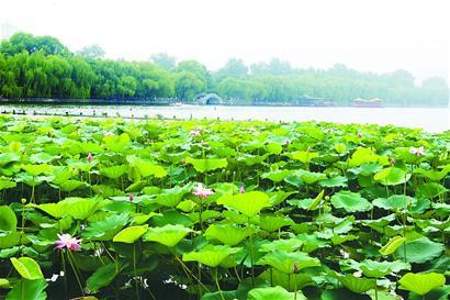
{"x": 130, "y": 234}
{"x": 117, "y": 143}
{"x": 316, "y": 201}
{"x": 42, "y": 158}
{"x": 288, "y": 281}
{"x": 277, "y": 175}
{"x": 338, "y": 239}
{"x": 53, "y": 209}
{"x": 340, "y": 148}
{"x": 207, "y": 164}
{"x": 338, "y": 181}
{"x": 312, "y": 242}
{"x": 394, "y": 202}
{"x": 301, "y": 203}
{"x": 9, "y": 157}
{"x": 392, "y": 176}
{"x": 71, "y": 185}
{"x": 278, "y": 197}
{"x": 249, "y": 204}
{"x": 187, "y": 205}
{"x": 274, "y": 148}
{"x": 421, "y": 283}
{"x": 288, "y": 262}
{"x": 304, "y": 156}
{"x": 140, "y": 218}
{"x": 6, "y": 184}
{"x": 357, "y": 285}
{"x": 8, "y": 219}
{"x": 29, "y": 290}
{"x": 102, "y": 277}
{"x": 27, "y": 267}
{"x": 77, "y": 208}
{"x": 145, "y": 168}
{"x": 106, "y": 229}
{"x": 429, "y": 190}
{"x": 210, "y": 255}
{"x": 432, "y": 174}
{"x": 11, "y": 239}
{"x": 4, "y": 283}
{"x": 366, "y": 169}
{"x": 375, "y": 269}
{"x": 350, "y": 201}
{"x": 168, "y": 235}
{"x": 272, "y": 293}
{"x": 114, "y": 172}
{"x": 392, "y": 246}
{"x": 272, "y": 223}
{"x": 35, "y": 170}
{"x": 307, "y": 176}
{"x": 420, "y": 250}
{"x": 250, "y": 160}
{"x": 228, "y": 234}
{"x": 172, "y": 197}
{"x": 363, "y": 156}
{"x": 289, "y": 245}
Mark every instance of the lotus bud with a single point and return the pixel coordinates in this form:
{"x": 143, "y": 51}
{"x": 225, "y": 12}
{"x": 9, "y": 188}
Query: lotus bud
{"x": 90, "y": 158}
{"x": 242, "y": 189}
{"x": 392, "y": 161}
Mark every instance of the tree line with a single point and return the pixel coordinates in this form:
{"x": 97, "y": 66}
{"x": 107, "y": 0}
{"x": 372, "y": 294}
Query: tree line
{"x": 42, "y": 67}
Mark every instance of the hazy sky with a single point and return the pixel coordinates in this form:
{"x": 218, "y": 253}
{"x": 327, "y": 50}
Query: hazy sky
{"x": 377, "y": 35}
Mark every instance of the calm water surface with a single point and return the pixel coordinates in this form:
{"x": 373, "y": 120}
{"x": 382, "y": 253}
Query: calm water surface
{"x": 430, "y": 119}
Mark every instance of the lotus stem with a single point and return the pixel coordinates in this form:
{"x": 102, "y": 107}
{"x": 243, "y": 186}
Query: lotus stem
{"x": 134, "y": 271}
{"x": 217, "y": 284}
{"x": 192, "y": 274}
{"x": 251, "y": 254}
{"x": 63, "y": 262}
{"x": 295, "y": 287}
{"x": 77, "y": 277}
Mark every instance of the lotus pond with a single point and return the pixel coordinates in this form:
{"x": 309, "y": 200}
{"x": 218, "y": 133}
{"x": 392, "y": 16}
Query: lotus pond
{"x": 109, "y": 209}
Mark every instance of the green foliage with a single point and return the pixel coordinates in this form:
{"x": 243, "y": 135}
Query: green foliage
{"x": 168, "y": 235}
{"x": 130, "y": 234}
{"x": 27, "y": 267}
{"x": 423, "y": 283}
{"x": 350, "y": 202}
{"x": 8, "y": 219}
{"x": 249, "y": 203}
{"x": 327, "y": 221}
{"x": 42, "y": 67}
{"x": 29, "y": 290}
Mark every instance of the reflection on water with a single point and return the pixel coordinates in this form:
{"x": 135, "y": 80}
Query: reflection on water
{"x": 430, "y": 119}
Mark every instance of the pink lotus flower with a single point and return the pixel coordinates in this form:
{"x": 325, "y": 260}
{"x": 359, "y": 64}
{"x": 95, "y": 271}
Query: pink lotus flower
{"x": 202, "y": 192}
{"x": 419, "y": 151}
{"x": 195, "y": 132}
{"x": 65, "y": 240}
{"x": 242, "y": 189}
{"x": 90, "y": 157}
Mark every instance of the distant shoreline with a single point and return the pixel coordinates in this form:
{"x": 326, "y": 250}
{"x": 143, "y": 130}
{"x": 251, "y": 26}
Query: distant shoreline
{"x": 173, "y": 102}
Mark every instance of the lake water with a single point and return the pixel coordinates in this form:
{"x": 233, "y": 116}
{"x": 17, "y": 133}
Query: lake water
{"x": 430, "y": 119}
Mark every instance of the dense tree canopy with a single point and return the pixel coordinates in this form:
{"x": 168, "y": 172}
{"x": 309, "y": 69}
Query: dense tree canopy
{"x": 42, "y": 67}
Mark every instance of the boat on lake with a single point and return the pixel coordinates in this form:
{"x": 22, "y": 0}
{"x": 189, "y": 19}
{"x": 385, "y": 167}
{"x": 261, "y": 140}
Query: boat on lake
{"x": 361, "y": 102}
